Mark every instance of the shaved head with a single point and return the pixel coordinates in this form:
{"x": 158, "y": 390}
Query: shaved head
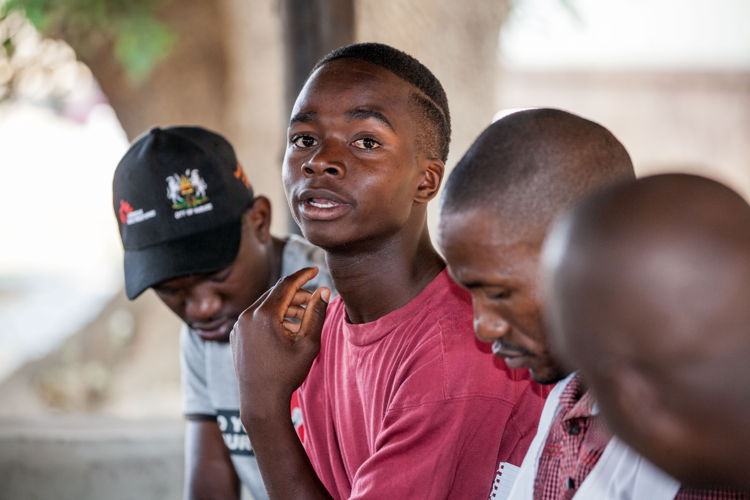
{"x": 522, "y": 172}
{"x": 647, "y": 288}
{"x": 529, "y": 166}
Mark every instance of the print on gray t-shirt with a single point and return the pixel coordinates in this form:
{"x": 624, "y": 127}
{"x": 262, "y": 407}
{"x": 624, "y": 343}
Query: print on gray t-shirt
{"x": 209, "y": 386}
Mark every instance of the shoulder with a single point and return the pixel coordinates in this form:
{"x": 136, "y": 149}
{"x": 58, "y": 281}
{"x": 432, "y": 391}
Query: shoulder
{"x": 190, "y": 342}
{"x": 299, "y": 253}
{"x": 447, "y": 313}
{"x": 441, "y": 306}
{"x": 464, "y": 365}
{"x": 335, "y": 314}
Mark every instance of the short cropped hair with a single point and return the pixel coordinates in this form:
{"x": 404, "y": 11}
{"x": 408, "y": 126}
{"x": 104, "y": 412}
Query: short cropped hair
{"x": 431, "y": 102}
{"x": 529, "y": 166}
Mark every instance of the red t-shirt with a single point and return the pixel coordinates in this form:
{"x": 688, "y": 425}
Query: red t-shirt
{"x": 412, "y": 405}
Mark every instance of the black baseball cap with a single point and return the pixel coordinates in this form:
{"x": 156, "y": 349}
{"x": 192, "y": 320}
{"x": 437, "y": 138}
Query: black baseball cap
{"x": 178, "y": 195}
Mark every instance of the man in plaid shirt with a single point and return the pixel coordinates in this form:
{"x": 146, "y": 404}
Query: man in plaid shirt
{"x": 499, "y": 202}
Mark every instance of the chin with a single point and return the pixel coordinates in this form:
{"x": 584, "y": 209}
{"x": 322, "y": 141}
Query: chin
{"x": 218, "y": 335}
{"x": 329, "y": 237}
{"x": 547, "y": 375}
{"x": 214, "y": 337}
{"x": 322, "y": 239}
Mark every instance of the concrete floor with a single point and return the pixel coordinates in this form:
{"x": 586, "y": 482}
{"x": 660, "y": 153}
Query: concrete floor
{"x": 85, "y": 458}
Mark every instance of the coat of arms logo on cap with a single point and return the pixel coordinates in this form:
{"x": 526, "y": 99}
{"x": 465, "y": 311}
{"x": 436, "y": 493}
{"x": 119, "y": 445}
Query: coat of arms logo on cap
{"x": 187, "y": 193}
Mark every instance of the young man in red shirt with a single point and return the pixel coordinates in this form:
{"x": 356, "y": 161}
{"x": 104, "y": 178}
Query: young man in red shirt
{"x": 399, "y": 399}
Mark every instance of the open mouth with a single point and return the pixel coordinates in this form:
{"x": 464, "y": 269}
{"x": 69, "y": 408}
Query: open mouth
{"x": 322, "y": 205}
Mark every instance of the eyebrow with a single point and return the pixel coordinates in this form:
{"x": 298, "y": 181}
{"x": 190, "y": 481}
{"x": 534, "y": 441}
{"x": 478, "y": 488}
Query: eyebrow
{"x": 364, "y": 114}
{"x": 472, "y": 284}
{"x": 357, "y": 114}
{"x": 303, "y": 118}
{"x": 498, "y": 281}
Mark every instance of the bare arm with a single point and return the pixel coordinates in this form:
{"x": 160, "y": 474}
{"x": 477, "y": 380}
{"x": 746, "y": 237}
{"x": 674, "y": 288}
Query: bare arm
{"x": 209, "y": 472}
{"x": 272, "y": 357}
{"x": 286, "y": 469}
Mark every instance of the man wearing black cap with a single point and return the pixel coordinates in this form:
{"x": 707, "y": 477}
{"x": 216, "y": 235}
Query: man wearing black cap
{"x": 193, "y": 231}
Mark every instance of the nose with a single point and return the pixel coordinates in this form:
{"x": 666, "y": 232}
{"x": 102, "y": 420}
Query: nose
{"x": 327, "y": 159}
{"x": 202, "y": 304}
{"x": 489, "y": 327}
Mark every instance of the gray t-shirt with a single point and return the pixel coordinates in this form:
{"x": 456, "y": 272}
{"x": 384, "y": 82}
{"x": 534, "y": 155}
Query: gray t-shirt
{"x": 209, "y": 385}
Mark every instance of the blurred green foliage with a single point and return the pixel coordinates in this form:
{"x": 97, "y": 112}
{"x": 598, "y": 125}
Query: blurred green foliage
{"x": 138, "y": 38}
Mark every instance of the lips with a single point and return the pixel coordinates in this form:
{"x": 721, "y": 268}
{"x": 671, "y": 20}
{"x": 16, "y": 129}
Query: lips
{"x": 514, "y": 357}
{"x": 322, "y": 204}
{"x": 217, "y": 330}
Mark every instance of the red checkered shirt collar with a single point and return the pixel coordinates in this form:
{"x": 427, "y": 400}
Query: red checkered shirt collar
{"x": 576, "y": 440}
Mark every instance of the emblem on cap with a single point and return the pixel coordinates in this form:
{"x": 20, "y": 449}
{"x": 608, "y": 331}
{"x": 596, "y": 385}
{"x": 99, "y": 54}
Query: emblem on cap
{"x": 124, "y": 210}
{"x": 187, "y": 192}
{"x": 130, "y": 216}
{"x": 239, "y": 173}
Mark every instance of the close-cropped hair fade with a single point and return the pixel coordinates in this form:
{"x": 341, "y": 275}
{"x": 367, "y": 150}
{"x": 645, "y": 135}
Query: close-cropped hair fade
{"x": 529, "y": 166}
{"x": 431, "y": 102}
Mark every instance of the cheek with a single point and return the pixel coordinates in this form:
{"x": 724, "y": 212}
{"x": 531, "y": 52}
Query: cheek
{"x": 291, "y": 167}
{"x": 287, "y": 174}
{"x": 388, "y": 196}
{"x": 526, "y": 322}
{"x": 240, "y": 294}
{"x": 529, "y": 318}
{"x": 174, "y": 303}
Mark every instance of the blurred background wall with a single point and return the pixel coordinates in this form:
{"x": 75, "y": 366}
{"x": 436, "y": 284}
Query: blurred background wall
{"x": 82, "y": 370}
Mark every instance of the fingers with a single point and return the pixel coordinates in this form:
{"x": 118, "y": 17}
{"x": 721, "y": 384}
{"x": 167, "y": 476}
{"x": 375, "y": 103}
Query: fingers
{"x": 285, "y": 302}
{"x": 258, "y": 302}
{"x": 237, "y": 328}
{"x": 283, "y": 293}
{"x": 315, "y": 315}
{"x": 293, "y": 327}
{"x": 297, "y": 308}
{"x": 301, "y": 298}
{"x": 295, "y": 312}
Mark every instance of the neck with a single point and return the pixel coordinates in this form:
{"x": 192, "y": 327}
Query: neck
{"x": 275, "y": 255}
{"x": 385, "y": 275}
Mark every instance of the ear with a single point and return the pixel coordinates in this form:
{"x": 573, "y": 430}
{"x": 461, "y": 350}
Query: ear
{"x": 429, "y": 184}
{"x": 258, "y": 219}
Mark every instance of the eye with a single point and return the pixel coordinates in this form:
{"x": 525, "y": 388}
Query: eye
{"x": 221, "y": 276}
{"x": 497, "y": 293}
{"x": 303, "y": 141}
{"x": 366, "y": 143}
{"x": 164, "y": 291}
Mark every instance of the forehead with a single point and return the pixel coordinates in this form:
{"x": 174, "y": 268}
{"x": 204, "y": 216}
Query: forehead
{"x": 350, "y": 83}
{"x": 478, "y": 247}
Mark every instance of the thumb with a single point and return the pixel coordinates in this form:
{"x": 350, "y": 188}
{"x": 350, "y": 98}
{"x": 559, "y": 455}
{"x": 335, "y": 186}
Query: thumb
{"x": 315, "y": 315}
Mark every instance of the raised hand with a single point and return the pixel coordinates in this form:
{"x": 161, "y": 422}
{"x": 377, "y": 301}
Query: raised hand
{"x": 275, "y": 341}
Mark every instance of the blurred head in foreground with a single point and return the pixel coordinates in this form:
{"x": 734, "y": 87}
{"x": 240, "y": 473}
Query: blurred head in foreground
{"x": 522, "y": 172}
{"x": 647, "y": 287}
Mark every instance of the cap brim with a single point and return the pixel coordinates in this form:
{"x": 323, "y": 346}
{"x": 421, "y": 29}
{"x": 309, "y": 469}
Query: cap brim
{"x": 203, "y": 252}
